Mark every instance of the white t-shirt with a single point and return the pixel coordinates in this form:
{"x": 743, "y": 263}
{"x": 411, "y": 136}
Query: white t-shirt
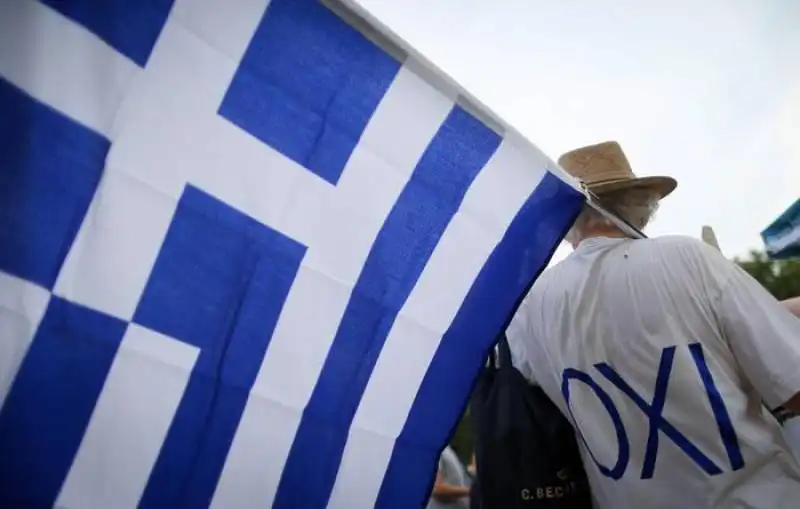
{"x": 665, "y": 351}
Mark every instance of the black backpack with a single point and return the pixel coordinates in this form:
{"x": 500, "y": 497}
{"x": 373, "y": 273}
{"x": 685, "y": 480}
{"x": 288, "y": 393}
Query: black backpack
{"x": 526, "y": 452}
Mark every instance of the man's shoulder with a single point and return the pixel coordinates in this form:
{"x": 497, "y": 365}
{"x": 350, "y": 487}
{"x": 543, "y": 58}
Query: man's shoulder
{"x": 674, "y": 242}
{"x": 555, "y": 273}
{"x": 551, "y": 284}
{"x": 664, "y": 244}
{"x": 674, "y": 250}
{"x": 678, "y": 250}
{"x": 672, "y": 247}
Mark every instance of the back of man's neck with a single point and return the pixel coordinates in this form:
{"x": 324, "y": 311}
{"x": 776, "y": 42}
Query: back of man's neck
{"x": 613, "y": 233}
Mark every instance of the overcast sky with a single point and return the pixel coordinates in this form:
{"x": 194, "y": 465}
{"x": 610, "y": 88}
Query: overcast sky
{"x": 708, "y": 92}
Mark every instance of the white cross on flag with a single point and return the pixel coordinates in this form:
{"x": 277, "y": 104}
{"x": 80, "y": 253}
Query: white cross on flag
{"x": 252, "y": 254}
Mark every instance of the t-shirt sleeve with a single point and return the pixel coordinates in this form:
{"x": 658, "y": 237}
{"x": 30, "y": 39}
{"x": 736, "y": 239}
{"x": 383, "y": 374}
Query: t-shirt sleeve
{"x": 762, "y": 334}
{"x": 519, "y": 337}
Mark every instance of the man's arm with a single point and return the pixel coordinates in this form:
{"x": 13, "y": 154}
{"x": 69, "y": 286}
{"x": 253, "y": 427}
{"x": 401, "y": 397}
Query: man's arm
{"x": 793, "y": 305}
{"x": 519, "y": 336}
{"x": 444, "y": 492}
{"x": 763, "y": 336}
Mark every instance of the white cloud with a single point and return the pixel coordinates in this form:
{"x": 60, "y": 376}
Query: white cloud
{"x": 708, "y": 92}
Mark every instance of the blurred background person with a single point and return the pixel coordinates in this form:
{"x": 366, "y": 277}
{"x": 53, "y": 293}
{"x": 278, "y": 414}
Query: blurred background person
{"x": 452, "y": 485}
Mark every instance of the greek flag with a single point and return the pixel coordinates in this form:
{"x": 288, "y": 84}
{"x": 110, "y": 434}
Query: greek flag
{"x": 252, "y": 254}
{"x": 782, "y": 237}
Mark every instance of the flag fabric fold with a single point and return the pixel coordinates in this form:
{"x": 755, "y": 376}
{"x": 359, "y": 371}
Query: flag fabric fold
{"x": 249, "y": 255}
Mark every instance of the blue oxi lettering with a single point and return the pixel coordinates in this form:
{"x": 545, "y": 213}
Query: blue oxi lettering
{"x": 721, "y": 415}
{"x": 654, "y": 411}
{"x": 623, "y": 445}
{"x": 657, "y": 420}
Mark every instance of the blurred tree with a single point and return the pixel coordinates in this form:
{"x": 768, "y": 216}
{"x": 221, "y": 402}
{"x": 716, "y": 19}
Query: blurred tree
{"x": 462, "y": 438}
{"x": 780, "y": 277}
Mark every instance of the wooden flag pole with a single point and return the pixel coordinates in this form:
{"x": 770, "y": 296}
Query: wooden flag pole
{"x": 710, "y": 238}
{"x": 594, "y": 202}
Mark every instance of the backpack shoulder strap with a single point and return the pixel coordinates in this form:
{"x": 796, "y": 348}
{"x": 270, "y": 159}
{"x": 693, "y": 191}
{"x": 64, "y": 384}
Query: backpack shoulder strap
{"x": 504, "y": 352}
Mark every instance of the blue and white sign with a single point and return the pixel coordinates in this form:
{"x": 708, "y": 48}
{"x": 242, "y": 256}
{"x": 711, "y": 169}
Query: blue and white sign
{"x": 782, "y": 237}
{"x": 248, "y": 257}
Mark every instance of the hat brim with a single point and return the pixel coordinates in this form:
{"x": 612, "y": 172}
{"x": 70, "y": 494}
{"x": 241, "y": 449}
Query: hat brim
{"x": 662, "y": 186}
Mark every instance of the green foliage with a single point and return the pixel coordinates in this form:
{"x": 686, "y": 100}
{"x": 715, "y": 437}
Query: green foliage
{"x": 462, "y": 439}
{"x": 780, "y": 277}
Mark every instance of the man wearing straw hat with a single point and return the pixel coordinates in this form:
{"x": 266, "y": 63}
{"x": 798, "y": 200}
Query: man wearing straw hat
{"x": 661, "y": 352}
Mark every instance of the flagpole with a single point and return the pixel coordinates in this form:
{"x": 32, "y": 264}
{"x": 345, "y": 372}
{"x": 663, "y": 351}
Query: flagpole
{"x": 710, "y": 238}
{"x": 593, "y": 201}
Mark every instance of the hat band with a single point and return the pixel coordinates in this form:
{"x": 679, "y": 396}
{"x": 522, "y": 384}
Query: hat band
{"x": 608, "y": 180}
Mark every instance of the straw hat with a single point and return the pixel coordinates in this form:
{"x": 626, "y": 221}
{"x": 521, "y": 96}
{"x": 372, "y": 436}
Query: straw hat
{"x": 604, "y": 167}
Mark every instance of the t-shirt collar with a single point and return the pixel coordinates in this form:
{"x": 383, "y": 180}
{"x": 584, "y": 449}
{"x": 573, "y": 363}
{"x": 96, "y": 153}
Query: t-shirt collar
{"x": 593, "y": 244}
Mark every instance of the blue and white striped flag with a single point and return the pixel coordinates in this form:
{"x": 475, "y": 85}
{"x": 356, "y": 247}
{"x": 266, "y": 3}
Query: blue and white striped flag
{"x": 249, "y": 256}
{"x": 782, "y": 237}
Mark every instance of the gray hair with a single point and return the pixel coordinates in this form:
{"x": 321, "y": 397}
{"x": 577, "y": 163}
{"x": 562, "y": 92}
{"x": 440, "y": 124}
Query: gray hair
{"x": 634, "y": 205}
